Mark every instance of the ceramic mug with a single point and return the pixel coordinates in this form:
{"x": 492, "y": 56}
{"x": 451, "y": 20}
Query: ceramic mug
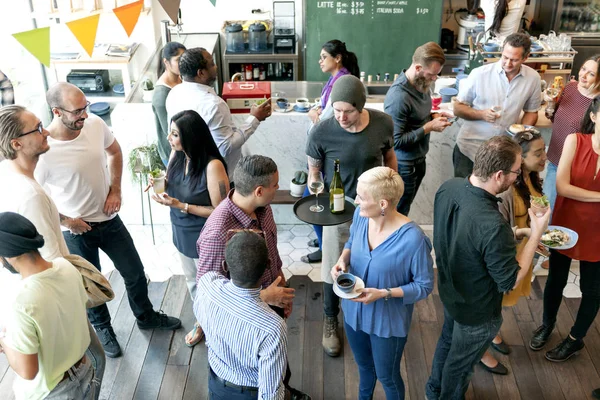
{"x": 283, "y": 103}
{"x": 303, "y": 103}
{"x": 346, "y": 282}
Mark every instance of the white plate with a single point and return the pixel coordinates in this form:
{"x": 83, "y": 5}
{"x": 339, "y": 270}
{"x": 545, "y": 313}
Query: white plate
{"x": 527, "y": 128}
{"x": 281, "y": 110}
{"x": 349, "y": 295}
{"x": 573, "y": 238}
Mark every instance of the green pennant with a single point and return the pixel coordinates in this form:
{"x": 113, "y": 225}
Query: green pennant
{"x": 214, "y": 2}
{"x": 37, "y": 42}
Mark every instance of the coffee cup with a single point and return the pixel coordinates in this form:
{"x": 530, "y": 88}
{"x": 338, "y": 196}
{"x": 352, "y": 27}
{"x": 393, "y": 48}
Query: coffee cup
{"x": 303, "y": 103}
{"x": 283, "y": 103}
{"x": 346, "y": 282}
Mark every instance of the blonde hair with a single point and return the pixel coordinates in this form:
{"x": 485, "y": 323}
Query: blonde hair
{"x": 384, "y": 184}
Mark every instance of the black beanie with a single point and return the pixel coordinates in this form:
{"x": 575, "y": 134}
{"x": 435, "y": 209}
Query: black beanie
{"x": 17, "y": 235}
{"x": 349, "y": 89}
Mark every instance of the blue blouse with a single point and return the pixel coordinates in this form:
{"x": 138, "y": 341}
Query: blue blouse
{"x": 402, "y": 260}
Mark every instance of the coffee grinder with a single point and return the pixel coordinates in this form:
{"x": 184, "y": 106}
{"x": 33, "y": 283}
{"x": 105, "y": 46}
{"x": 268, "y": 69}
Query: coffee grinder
{"x": 284, "y": 31}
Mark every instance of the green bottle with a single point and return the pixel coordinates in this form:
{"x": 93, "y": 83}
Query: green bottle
{"x": 336, "y": 190}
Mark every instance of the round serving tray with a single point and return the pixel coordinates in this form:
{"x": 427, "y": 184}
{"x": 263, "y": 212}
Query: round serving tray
{"x": 325, "y": 217}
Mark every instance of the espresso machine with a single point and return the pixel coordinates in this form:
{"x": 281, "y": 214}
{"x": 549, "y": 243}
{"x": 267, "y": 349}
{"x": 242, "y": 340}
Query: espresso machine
{"x": 469, "y": 25}
{"x": 284, "y": 27}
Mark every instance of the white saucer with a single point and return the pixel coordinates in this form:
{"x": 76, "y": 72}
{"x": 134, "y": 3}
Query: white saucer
{"x": 360, "y": 284}
{"x": 281, "y": 110}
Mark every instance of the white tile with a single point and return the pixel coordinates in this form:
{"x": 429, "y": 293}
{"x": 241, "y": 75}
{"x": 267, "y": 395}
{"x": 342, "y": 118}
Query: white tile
{"x": 284, "y": 248}
{"x": 302, "y": 230}
{"x": 300, "y": 242}
{"x": 284, "y": 227}
{"x": 286, "y": 261}
{"x": 577, "y": 281}
{"x": 575, "y": 267}
{"x": 297, "y": 254}
{"x": 287, "y": 273}
{"x": 572, "y": 291}
{"x": 315, "y": 275}
{"x": 571, "y": 278}
{"x": 312, "y": 235}
{"x": 300, "y": 268}
{"x": 284, "y": 236}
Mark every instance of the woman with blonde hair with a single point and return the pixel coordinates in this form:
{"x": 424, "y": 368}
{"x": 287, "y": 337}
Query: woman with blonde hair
{"x": 392, "y": 255}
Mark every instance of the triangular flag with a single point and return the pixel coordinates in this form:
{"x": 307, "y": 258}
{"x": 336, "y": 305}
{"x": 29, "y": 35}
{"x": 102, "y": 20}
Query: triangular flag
{"x": 129, "y": 14}
{"x": 37, "y": 42}
{"x": 171, "y": 7}
{"x": 84, "y": 30}
{"x": 214, "y": 2}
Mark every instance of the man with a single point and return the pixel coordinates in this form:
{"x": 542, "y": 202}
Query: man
{"x": 246, "y": 339}
{"x": 361, "y": 139}
{"x": 7, "y": 96}
{"x": 475, "y": 255}
{"x": 199, "y": 72}
{"x": 82, "y": 172}
{"x": 507, "y": 84}
{"x": 46, "y": 334}
{"x": 408, "y": 102}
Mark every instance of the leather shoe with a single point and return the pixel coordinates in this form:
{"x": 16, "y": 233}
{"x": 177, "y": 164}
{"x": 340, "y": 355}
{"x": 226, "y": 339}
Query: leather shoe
{"x": 565, "y": 350}
{"x": 499, "y": 369}
{"x": 540, "y": 337}
{"x": 501, "y": 348}
{"x": 596, "y": 393}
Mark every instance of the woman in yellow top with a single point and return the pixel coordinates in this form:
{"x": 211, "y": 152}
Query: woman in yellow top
{"x": 514, "y": 206}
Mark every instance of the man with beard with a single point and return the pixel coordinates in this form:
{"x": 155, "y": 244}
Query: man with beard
{"x": 476, "y": 260}
{"x": 199, "y": 72}
{"x": 492, "y": 98}
{"x": 408, "y": 102}
{"x": 82, "y": 172}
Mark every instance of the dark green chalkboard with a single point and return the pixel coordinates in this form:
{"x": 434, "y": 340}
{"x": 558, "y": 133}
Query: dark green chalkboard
{"x": 383, "y": 35}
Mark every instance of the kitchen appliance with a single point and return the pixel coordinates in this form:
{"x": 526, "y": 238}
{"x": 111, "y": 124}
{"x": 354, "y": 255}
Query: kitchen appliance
{"x": 469, "y": 25}
{"x": 240, "y": 96}
{"x": 89, "y": 81}
{"x": 235, "y": 38}
{"x": 257, "y": 37}
{"x": 284, "y": 29}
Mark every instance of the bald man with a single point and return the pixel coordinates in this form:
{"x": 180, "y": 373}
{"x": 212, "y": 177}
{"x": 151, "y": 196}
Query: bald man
{"x": 82, "y": 172}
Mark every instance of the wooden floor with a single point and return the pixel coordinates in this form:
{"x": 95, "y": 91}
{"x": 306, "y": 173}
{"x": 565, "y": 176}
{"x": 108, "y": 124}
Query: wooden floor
{"x": 157, "y": 365}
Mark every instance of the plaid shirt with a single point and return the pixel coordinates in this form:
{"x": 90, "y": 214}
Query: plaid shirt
{"x": 214, "y": 236}
{"x": 6, "y": 89}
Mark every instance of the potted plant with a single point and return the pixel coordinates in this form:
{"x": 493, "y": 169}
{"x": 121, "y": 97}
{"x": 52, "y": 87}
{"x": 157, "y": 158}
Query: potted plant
{"x": 298, "y": 184}
{"x": 148, "y": 90}
{"x": 143, "y": 160}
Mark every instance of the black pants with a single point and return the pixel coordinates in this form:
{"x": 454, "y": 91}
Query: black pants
{"x": 589, "y": 282}
{"x": 412, "y": 173}
{"x": 463, "y": 166}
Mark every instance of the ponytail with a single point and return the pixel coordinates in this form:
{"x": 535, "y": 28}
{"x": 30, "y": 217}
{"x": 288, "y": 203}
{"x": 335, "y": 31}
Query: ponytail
{"x": 349, "y": 60}
{"x": 169, "y": 51}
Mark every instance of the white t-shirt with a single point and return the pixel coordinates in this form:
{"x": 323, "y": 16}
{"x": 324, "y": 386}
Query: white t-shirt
{"x": 511, "y": 21}
{"x": 75, "y": 172}
{"x": 48, "y": 317}
{"x": 26, "y": 197}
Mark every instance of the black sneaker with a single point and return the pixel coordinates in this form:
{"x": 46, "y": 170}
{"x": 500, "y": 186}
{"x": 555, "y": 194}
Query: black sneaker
{"x": 540, "y": 337}
{"x": 159, "y": 320}
{"x": 108, "y": 338}
{"x": 596, "y": 393}
{"x": 313, "y": 243}
{"x": 565, "y": 350}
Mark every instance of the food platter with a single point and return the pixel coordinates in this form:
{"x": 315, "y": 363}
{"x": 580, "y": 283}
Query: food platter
{"x": 573, "y": 237}
{"x": 525, "y": 128}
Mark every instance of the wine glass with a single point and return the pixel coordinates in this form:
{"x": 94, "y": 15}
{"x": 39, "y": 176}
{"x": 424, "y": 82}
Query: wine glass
{"x": 498, "y": 111}
{"x": 316, "y": 186}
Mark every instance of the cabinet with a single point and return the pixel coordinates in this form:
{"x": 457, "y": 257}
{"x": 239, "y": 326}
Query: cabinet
{"x": 286, "y": 64}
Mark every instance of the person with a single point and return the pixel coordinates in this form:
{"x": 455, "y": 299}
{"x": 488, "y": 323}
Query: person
{"x": 196, "y": 183}
{"x": 568, "y": 114}
{"x": 246, "y": 339}
{"x": 392, "y": 255}
{"x": 476, "y": 261}
{"x": 168, "y": 77}
{"x": 46, "y": 334}
{"x": 577, "y": 208}
{"x": 408, "y": 102}
{"x": 7, "y": 94}
{"x": 353, "y": 127}
{"x": 503, "y": 17}
{"x": 82, "y": 172}
{"x": 199, "y": 72}
{"x": 507, "y": 84}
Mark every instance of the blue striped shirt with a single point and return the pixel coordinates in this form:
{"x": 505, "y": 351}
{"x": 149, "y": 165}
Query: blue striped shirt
{"x": 246, "y": 339}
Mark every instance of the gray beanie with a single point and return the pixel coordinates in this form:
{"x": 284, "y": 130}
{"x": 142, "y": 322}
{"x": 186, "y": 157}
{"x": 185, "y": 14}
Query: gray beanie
{"x": 349, "y": 89}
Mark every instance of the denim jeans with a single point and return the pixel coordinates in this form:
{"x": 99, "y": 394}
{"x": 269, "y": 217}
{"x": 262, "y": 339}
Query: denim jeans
{"x": 81, "y": 384}
{"x": 377, "y": 358}
{"x": 412, "y": 174}
{"x": 463, "y": 166}
{"x": 550, "y": 183}
{"x": 459, "y": 348}
{"x": 218, "y": 391}
{"x": 114, "y": 239}
{"x": 95, "y": 353}
{"x": 558, "y": 275}
{"x": 318, "y": 228}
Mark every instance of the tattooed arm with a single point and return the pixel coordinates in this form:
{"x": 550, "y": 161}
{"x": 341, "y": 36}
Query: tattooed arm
{"x": 314, "y": 166}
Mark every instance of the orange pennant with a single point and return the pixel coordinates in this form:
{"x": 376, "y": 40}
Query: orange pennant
{"x": 129, "y": 14}
{"x": 37, "y": 42}
{"x": 84, "y": 30}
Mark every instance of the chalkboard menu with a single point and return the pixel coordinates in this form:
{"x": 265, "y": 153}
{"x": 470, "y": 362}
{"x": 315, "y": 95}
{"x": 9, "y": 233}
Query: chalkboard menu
{"x": 383, "y": 33}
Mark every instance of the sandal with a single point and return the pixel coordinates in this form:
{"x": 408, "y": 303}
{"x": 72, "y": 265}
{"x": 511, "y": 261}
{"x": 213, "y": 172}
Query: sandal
{"x": 192, "y": 333}
{"x": 313, "y": 257}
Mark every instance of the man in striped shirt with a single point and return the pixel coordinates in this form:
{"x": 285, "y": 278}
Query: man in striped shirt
{"x": 246, "y": 339}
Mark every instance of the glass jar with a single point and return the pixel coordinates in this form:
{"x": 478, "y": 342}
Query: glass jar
{"x": 257, "y": 37}
{"x": 235, "y": 38}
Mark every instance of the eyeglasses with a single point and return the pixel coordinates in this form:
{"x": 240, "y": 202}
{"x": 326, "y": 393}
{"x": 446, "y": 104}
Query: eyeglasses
{"x": 518, "y": 172}
{"x": 77, "y": 112}
{"x": 40, "y": 129}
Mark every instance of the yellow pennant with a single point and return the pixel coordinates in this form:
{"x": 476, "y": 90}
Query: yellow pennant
{"x": 129, "y": 14}
{"x": 84, "y": 30}
{"x": 37, "y": 42}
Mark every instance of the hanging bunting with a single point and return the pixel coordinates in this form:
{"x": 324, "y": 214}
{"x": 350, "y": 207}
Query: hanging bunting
{"x": 129, "y": 14}
{"x": 171, "y": 7}
{"x": 37, "y": 42}
{"x": 84, "y": 30}
{"x": 214, "y": 2}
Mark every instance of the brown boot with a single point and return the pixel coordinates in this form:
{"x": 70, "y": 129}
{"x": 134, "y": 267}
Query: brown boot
{"x": 331, "y": 340}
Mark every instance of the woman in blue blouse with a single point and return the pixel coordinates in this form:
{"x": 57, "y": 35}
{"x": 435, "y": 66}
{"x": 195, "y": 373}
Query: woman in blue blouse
{"x": 392, "y": 255}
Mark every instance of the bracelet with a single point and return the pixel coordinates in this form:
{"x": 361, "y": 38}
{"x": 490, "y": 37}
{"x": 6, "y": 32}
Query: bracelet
{"x": 186, "y": 208}
{"x": 388, "y": 295}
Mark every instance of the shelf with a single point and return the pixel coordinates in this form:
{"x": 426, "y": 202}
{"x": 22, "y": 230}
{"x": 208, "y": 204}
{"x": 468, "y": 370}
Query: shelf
{"x": 108, "y": 97}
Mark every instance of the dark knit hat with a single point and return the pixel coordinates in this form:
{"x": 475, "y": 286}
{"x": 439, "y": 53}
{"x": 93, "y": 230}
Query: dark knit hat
{"x": 349, "y": 89}
{"x": 17, "y": 235}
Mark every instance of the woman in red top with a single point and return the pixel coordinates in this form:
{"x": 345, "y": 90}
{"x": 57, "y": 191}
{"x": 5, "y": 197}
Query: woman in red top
{"x": 577, "y": 208}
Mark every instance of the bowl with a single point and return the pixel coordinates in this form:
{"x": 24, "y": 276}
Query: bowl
{"x": 346, "y": 282}
{"x": 447, "y": 94}
{"x": 491, "y": 47}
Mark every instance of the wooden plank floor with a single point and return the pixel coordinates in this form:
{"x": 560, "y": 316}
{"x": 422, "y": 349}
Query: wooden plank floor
{"x": 157, "y": 365}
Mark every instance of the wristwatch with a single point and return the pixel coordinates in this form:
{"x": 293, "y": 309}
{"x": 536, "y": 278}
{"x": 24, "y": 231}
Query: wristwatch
{"x": 186, "y": 208}
{"x": 388, "y": 295}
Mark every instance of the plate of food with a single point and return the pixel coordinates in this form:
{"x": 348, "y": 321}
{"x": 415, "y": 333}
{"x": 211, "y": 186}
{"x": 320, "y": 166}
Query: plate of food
{"x": 559, "y": 238}
{"x": 518, "y": 128}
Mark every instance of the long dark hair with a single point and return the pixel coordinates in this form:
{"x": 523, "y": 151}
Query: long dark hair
{"x": 349, "y": 61}
{"x": 501, "y": 11}
{"x": 525, "y": 139}
{"x": 169, "y": 51}
{"x": 197, "y": 143}
{"x": 587, "y": 125}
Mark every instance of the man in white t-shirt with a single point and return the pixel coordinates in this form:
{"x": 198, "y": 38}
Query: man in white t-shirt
{"x": 82, "y": 172}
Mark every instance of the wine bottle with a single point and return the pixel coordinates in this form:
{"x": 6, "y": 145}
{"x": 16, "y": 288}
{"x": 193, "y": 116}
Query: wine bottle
{"x": 336, "y": 190}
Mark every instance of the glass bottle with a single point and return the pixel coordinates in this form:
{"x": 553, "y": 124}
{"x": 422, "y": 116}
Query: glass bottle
{"x": 336, "y": 190}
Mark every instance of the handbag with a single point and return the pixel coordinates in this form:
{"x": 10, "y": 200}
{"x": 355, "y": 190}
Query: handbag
{"x": 96, "y": 285}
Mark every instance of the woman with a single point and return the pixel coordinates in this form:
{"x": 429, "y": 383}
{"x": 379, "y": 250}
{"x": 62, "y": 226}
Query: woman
{"x": 567, "y": 117}
{"x": 577, "y": 208}
{"x": 168, "y": 77}
{"x": 196, "y": 183}
{"x": 514, "y": 206}
{"x": 503, "y": 17}
{"x": 392, "y": 255}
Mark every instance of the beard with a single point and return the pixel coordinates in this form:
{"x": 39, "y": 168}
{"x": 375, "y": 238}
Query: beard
{"x": 72, "y": 125}
{"x": 422, "y": 84}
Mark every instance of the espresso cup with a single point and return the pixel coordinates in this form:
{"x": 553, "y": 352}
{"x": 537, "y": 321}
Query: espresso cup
{"x": 302, "y": 103}
{"x": 346, "y": 282}
{"x": 283, "y": 103}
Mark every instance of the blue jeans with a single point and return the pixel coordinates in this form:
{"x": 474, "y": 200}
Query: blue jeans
{"x": 412, "y": 174}
{"x": 219, "y": 391}
{"x": 377, "y": 358}
{"x": 550, "y": 184}
{"x": 95, "y": 353}
{"x": 318, "y": 228}
{"x": 80, "y": 385}
{"x": 114, "y": 239}
{"x": 459, "y": 348}
{"x": 463, "y": 166}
